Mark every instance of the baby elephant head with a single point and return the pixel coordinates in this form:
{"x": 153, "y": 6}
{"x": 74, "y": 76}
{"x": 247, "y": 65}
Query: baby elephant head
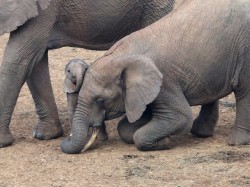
{"x": 74, "y": 74}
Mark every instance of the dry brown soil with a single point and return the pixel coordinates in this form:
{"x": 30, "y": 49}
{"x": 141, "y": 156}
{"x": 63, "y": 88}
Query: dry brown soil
{"x": 192, "y": 162}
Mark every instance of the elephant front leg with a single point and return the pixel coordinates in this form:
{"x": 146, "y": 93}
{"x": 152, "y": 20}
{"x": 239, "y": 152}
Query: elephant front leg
{"x": 171, "y": 116}
{"x": 12, "y": 78}
{"x": 126, "y": 130}
{"x": 205, "y": 123}
{"x": 48, "y": 125}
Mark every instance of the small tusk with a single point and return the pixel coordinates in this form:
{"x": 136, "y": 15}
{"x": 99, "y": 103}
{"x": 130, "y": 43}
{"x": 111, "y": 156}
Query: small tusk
{"x": 92, "y": 139}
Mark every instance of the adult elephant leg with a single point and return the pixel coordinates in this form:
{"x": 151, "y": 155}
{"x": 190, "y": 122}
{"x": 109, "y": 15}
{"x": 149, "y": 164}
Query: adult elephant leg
{"x": 240, "y": 134}
{"x": 171, "y": 116}
{"x": 48, "y": 125}
{"x": 204, "y": 124}
{"x": 16, "y": 64}
{"x": 25, "y": 48}
{"x": 126, "y": 130}
{"x": 11, "y": 80}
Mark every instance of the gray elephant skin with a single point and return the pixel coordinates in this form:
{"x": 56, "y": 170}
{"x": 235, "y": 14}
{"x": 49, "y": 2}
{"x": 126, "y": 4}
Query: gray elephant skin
{"x": 155, "y": 74}
{"x": 37, "y": 26}
{"x": 74, "y": 74}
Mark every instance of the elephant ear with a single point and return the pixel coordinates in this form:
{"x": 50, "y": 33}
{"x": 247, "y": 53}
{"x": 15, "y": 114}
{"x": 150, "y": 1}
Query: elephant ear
{"x": 14, "y": 13}
{"x": 142, "y": 82}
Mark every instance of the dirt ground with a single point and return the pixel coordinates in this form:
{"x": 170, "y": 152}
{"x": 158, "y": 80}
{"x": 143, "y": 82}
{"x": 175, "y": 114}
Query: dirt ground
{"x": 192, "y": 162}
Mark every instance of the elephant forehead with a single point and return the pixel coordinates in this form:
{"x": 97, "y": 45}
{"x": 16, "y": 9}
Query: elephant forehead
{"x": 97, "y": 91}
{"x": 103, "y": 76}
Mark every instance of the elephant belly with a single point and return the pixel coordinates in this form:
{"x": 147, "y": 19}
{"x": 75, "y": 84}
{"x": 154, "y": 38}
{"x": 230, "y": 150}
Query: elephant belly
{"x": 207, "y": 93}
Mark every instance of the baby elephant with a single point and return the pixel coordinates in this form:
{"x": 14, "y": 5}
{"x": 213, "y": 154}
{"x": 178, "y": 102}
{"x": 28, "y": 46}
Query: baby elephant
{"x": 193, "y": 56}
{"x": 74, "y": 73}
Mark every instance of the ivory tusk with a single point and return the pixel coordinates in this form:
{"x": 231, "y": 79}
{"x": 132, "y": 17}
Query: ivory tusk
{"x": 92, "y": 139}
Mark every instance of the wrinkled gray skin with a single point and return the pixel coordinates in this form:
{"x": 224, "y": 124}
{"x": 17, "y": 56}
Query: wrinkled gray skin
{"x": 194, "y": 56}
{"x": 37, "y": 26}
{"x": 74, "y": 74}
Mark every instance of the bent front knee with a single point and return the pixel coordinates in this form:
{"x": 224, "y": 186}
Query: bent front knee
{"x": 124, "y": 132}
{"x": 142, "y": 143}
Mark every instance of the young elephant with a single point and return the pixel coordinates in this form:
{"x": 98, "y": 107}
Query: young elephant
{"x": 194, "y": 56}
{"x": 74, "y": 73}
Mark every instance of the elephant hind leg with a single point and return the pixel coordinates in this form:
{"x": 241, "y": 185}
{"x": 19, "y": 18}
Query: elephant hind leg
{"x": 127, "y": 130}
{"x": 48, "y": 125}
{"x": 204, "y": 124}
{"x": 240, "y": 134}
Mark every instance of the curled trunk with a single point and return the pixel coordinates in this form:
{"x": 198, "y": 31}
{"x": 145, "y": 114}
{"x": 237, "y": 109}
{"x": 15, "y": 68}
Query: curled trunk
{"x": 75, "y": 143}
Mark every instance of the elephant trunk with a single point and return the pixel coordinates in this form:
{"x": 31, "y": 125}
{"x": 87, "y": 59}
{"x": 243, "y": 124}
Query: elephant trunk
{"x": 79, "y": 79}
{"x": 75, "y": 144}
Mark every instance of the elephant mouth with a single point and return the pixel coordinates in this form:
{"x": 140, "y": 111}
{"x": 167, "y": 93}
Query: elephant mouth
{"x": 95, "y": 129}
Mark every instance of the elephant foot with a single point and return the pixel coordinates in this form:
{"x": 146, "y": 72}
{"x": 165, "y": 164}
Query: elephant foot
{"x": 6, "y": 139}
{"x": 162, "y": 144}
{"x": 47, "y": 130}
{"x": 202, "y": 128}
{"x": 239, "y": 137}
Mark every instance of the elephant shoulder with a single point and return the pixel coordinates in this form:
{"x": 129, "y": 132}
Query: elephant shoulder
{"x": 14, "y": 13}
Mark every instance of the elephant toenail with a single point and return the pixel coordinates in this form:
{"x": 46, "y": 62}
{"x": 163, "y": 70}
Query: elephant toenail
{"x": 34, "y": 134}
{"x": 39, "y": 135}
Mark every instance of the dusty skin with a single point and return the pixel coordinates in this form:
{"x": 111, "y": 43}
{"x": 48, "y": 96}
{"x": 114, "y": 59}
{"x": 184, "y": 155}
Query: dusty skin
{"x": 192, "y": 162}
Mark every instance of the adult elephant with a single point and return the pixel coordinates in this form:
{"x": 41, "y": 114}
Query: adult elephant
{"x": 155, "y": 74}
{"x": 37, "y": 26}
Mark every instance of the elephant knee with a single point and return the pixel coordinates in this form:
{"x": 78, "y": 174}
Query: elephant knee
{"x": 124, "y": 131}
{"x": 141, "y": 143}
{"x": 127, "y": 130}
{"x": 184, "y": 125}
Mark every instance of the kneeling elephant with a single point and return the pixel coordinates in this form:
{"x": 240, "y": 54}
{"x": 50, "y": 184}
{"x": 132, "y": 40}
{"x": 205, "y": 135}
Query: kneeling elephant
{"x": 155, "y": 74}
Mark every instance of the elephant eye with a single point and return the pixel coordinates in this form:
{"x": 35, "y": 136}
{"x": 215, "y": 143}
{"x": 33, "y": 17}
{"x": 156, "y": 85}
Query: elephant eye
{"x": 100, "y": 102}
